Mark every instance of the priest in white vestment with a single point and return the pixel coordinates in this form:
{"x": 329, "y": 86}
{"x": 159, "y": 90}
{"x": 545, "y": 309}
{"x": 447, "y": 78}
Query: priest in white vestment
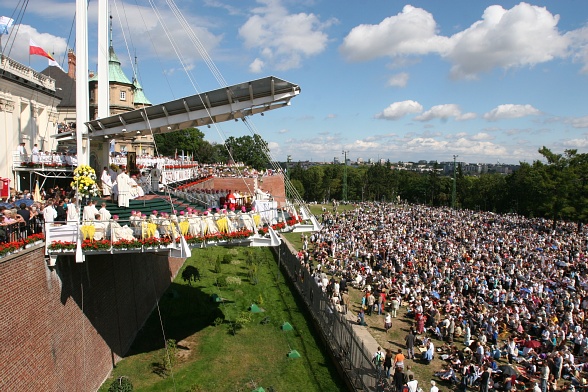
{"x": 124, "y": 189}
{"x": 106, "y": 182}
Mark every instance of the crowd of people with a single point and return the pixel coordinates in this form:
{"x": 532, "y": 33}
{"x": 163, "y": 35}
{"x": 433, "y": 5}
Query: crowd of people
{"x": 481, "y": 290}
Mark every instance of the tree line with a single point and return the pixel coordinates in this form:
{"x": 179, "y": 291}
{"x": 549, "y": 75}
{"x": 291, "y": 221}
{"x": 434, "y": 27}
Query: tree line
{"x": 555, "y": 187}
{"x": 190, "y": 141}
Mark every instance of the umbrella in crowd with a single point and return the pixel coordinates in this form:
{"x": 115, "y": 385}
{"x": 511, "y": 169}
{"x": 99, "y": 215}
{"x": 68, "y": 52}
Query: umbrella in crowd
{"x": 532, "y": 344}
{"x": 508, "y": 370}
{"x": 27, "y": 202}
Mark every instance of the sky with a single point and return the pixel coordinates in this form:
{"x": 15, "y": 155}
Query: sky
{"x": 487, "y": 81}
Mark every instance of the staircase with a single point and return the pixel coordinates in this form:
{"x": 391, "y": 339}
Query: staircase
{"x": 148, "y": 203}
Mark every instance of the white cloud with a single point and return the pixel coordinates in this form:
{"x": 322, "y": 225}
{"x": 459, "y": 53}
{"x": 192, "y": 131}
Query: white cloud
{"x": 576, "y": 143}
{"x": 256, "y": 66}
{"x": 331, "y": 116}
{"x": 579, "y": 47}
{"x": 510, "y": 111}
{"x": 274, "y": 147}
{"x": 524, "y": 35}
{"x": 481, "y": 136}
{"x": 398, "y": 110}
{"x": 283, "y": 131}
{"x": 284, "y": 39}
{"x": 413, "y": 31}
{"x": 579, "y": 122}
{"x": 398, "y": 80}
{"x": 444, "y": 112}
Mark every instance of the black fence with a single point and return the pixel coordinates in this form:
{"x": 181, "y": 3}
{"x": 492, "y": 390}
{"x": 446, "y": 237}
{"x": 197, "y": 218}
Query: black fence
{"x": 19, "y": 231}
{"x": 345, "y": 345}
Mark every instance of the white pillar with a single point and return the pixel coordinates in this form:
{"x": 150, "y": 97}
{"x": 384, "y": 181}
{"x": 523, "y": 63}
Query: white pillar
{"x": 103, "y": 59}
{"x": 82, "y": 96}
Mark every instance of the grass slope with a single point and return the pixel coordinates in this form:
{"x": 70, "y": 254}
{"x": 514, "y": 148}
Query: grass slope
{"x": 213, "y": 358}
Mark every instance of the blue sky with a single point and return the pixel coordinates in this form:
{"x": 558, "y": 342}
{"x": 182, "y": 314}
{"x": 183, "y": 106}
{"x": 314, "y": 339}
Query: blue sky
{"x": 487, "y": 81}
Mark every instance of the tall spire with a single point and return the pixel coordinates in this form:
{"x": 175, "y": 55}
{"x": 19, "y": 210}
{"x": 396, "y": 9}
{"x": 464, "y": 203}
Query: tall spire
{"x": 110, "y": 34}
{"x": 139, "y": 98}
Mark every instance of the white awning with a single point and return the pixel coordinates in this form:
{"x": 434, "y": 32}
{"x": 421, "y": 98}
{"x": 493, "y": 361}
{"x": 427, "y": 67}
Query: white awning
{"x": 225, "y": 104}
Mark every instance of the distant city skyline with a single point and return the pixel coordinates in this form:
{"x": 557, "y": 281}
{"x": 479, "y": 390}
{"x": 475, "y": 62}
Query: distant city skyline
{"x": 486, "y": 80}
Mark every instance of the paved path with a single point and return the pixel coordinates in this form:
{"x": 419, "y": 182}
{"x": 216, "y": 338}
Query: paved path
{"x": 363, "y": 332}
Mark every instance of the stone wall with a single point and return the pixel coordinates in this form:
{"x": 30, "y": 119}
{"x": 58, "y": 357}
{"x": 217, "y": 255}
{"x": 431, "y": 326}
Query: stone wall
{"x": 63, "y": 329}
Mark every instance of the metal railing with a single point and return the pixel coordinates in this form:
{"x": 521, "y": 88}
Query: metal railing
{"x": 345, "y": 345}
{"x": 19, "y": 230}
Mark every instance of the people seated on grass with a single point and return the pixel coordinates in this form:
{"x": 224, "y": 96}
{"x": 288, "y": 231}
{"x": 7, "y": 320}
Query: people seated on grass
{"x": 448, "y": 374}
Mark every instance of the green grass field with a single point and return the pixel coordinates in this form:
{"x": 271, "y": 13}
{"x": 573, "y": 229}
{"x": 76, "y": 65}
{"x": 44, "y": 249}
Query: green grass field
{"x": 216, "y": 354}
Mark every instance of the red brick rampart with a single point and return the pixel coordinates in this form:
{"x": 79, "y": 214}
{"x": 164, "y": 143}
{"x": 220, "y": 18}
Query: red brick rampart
{"x": 272, "y": 184}
{"x": 63, "y": 329}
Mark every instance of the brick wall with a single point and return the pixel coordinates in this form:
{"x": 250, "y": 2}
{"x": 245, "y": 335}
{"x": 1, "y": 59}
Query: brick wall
{"x": 272, "y": 184}
{"x": 63, "y": 329}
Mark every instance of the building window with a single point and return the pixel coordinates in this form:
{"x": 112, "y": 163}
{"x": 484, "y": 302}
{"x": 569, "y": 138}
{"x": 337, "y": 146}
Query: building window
{"x": 123, "y": 95}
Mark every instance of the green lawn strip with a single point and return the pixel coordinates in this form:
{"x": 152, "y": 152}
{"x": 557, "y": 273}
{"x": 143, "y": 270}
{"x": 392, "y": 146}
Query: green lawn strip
{"x": 212, "y": 358}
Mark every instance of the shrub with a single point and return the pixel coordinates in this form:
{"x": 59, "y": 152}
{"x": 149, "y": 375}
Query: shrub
{"x": 227, "y": 259}
{"x": 217, "y": 265}
{"x": 252, "y": 274}
{"x": 169, "y": 355}
{"x": 221, "y": 281}
{"x": 121, "y": 384}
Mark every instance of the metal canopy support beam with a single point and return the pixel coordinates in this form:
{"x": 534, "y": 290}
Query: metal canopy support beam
{"x": 220, "y": 105}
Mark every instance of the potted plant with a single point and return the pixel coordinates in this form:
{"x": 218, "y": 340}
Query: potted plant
{"x": 95, "y": 246}
{"x": 164, "y": 242}
{"x": 62, "y": 246}
{"x": 120, "y": 244}
{"x": 150, "y": 243}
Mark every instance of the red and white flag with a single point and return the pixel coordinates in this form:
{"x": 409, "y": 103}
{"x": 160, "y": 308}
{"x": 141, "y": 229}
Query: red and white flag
{"x": 39, "y": 51}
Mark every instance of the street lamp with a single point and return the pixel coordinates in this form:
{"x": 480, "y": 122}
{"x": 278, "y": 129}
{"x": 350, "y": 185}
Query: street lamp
{"x": 453, "y": 191}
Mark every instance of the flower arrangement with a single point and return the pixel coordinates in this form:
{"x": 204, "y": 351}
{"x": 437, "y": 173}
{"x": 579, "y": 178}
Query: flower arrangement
{"x": 33, "y": 238}
{"x": 96, "y": 245}
{"x": 279, "y": 226}
{"x": 164, "y": 241}
{"x": 239, "y": 235}
{"x": 150, "y": 242}
{"x": 85, "y": 181}
{"x": 192, "y": 240}
{"x": 62, "y": 245}
{"x": 10, "y": 247}
{"x": 127, "y": 244}
{"x": 292, "y": 221}
{"x": 214, "y": 237}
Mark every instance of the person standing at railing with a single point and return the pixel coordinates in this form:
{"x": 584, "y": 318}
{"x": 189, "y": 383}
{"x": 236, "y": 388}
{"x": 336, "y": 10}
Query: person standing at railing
{"x": 20, "y": 149}
{"x": 90, "y": 211}
{"x": 61, "y": 212}
{"x": 49, "y": 212}
{"x": 26, "y": 216}
{"x": 36, "y": 154}
{"x": 73, "y": 213}
{"x": 104, "y": 213}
